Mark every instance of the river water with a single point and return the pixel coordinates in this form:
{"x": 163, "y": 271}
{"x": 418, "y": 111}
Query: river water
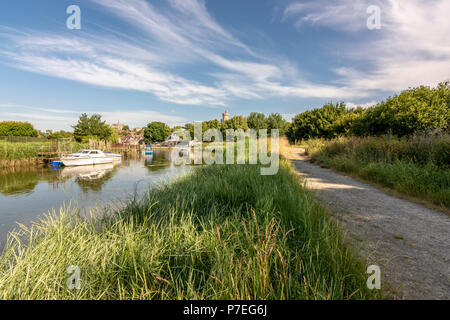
{"x": 28, "y": 193}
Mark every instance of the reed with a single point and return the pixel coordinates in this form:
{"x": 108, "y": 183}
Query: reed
{"x": 220, "y": 232}
{"x": 29, "y": 150}
{"x": 417, "y": 166}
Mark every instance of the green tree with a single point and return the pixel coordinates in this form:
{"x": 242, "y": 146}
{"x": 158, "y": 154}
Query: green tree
{"x": 257, "y": 121}
{"x": 156, "y": 132}
{"x": 418, "y": 109}
{"x": 114, "y": 136}
{"x": 237, "y": 122}
{"x": 17, "y": 129}
{"x": 60, "y": 135}
{"x": 214, "y": 124}
{"x": 91, "y": 127}
{"x": 276, "y": 121}
{"x": 317, "y": 122}
{"x": 344, "y": 125}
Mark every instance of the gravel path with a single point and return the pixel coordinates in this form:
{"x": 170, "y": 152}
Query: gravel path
{"x": 409, "y": 242}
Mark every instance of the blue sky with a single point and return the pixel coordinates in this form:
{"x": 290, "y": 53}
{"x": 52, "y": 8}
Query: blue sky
{"x": 180, "y": 61}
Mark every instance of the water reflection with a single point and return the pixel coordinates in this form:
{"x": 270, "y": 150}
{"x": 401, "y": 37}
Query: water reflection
{"x": 158, "y": 160}
{"x": 22, "y": 181}
{"x": 27, "y": 193}
{"x": 16, "y": 181}
{"x": 90, "y": 178}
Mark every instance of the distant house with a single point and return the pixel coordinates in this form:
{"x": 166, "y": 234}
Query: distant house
{"x": 133, "y": 139}
{"x": 173, "y": 138}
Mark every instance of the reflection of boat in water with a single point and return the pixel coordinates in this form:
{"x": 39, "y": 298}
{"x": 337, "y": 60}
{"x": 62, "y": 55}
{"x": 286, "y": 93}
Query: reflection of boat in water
{"x": 116, "y": 157}
{"x": 90, "y": 157}
{"x": 148, "y": 159}
{"x": 148, "y": 150}
{"x": 91, "y": 172}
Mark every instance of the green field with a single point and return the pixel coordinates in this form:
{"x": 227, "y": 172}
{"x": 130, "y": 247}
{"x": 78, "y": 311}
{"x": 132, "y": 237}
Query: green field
{"x": 220, "y": 232}
{"x": 417, "y": 166}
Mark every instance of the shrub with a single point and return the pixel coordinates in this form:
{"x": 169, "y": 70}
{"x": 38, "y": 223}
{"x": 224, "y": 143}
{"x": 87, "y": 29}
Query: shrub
{"x": 415, "y": 110}
{"x": 17, "y": 129}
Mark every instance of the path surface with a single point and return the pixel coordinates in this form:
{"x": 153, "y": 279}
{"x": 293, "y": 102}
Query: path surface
{"x": 409, "y": 242}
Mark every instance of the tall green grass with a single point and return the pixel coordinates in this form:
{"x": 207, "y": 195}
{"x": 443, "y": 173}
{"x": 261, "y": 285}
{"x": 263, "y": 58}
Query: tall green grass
{"x": 417, "y": 166}
{"x": 221, "y": 232}
{"x": 28, "y": 150}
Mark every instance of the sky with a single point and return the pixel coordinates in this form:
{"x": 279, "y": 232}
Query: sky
{"x": 180, "y": 61}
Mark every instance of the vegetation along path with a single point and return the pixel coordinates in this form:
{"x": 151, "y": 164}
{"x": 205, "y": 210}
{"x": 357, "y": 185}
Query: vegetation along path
{"x": 409, "y": 242}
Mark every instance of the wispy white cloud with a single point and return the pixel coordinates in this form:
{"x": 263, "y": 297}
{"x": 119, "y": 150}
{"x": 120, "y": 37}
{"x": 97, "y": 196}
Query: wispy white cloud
{"x": 62, "y": 119}
{"x": 410, "y": 49}
{"x": 167, "y": 39}
{"x": 349, "y": 15}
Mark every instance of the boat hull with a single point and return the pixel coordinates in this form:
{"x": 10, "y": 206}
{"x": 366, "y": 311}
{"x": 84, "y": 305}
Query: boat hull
{"x": 68, "y": 162}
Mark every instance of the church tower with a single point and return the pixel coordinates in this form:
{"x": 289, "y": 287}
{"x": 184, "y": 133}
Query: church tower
{"x": 225, "y": 116}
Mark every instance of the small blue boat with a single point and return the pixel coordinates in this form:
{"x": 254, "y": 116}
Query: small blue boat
{"x": 56, "y": 164}
{"x": 148, "y": 150}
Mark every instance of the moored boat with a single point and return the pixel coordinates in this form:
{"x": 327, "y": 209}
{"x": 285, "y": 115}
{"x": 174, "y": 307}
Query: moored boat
{"x": 89, "y": 157}
{"x": 148, "y": 150}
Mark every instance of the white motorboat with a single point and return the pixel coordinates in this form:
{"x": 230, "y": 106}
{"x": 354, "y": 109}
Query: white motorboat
{"x": 116, "y": 157}
{"x": 89, "y": 157}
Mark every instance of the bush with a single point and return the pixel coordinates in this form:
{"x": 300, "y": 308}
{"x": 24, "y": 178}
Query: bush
{"x": 91, "y": 126}
{"x": 416, "y": 110}
{"x": 17, "y": 129}
{"x": 316, "y": 123}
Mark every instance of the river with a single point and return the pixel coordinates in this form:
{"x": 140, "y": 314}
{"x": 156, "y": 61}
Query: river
{"x": 28, "y": 193}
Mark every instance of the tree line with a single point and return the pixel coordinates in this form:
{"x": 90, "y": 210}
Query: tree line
{"x": 416, "y": 110}
{"x": 419, "y": 109}
{"x": 93, "y": 127}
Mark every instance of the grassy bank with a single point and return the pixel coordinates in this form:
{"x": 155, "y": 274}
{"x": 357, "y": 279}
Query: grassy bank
{"x": 417, "y": 166}
{"x": 222, "y": 232}
{"x": 28, "y": 150}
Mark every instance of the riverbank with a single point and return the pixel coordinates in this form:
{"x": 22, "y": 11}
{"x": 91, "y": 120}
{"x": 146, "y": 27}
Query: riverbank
{"x": 20, "y": 154}
{"x": 416, "y": 167}
{"x": 221, "y": 232}
{"x": 5, "y": 163}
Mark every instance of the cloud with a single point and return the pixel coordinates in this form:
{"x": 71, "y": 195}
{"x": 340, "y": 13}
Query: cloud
{"x": 61, "y": 119}
{"x": 410, "y": 49}
{"x": 179, "y": 36}
{"x": 348, "y": 15}
{"x": 365, "y": 105}
{"x": 99, "y": 64}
